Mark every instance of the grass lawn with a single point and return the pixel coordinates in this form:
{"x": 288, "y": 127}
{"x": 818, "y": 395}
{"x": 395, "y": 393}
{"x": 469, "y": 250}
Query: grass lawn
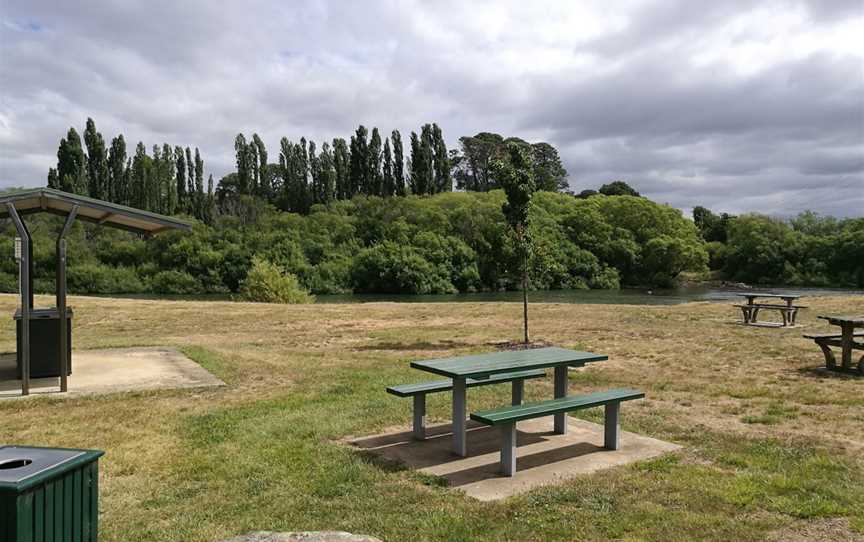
{"x": 771, "y": 448}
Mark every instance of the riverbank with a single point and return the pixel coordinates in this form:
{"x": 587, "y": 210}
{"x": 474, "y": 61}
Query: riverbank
{"x": 772, "y": 447}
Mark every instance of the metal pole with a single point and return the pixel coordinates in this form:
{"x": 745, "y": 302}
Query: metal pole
{"x": 561, "y": 391}
{"x": 60, "y": 288}
{"x": 24, "y": 276}
{"x": 459, "y": 445}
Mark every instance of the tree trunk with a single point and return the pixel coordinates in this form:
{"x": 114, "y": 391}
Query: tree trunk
{"x": 525, "y": 296}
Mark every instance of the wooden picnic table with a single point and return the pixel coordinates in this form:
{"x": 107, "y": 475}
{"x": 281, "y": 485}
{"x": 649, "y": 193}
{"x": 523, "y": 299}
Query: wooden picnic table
{"x": 789, "y": 311}
{"x": 480, "y": 366}
{"x": 847, "y": 326}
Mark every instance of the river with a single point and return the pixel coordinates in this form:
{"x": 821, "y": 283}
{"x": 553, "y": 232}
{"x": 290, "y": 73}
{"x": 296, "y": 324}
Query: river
{"x": 623, "y": 297}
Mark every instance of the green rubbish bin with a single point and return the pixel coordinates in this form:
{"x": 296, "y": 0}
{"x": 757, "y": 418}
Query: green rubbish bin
{"x": 49, "y": 494}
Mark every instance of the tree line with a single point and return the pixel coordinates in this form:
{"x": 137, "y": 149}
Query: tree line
{"x": 168, "y": 181}
{"x": 444, "y": 243}
{"x": 372, "y": 165}
{"x": 807, "y": 249}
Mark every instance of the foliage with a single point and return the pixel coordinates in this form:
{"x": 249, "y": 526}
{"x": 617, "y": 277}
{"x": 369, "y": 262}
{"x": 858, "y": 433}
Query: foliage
{"x": 448, "y": 242}
{"x": 618, "y": 188}
{"x": 473, "y": 170}
{"x": 267, "y": 283}
{"x": 168, "y": 181}
{"x": 515, "y": 174}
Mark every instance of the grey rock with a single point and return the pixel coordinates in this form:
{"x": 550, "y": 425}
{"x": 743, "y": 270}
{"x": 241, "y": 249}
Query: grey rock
{"x": 306, "y": 536}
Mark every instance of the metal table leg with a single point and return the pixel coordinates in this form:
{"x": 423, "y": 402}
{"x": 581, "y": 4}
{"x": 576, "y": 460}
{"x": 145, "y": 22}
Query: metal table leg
{"x": 459, "y": 414}
{"x": 561, "y": 391}
{"x": 846, "y": 357}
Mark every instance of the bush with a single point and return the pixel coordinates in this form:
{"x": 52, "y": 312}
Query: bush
{"x": 267, "y": 283}
{"x": 175, "y": 282}
{"x": 391, "y": 268}
{"x": 92, "y": 278}
{"x": 8, "y": 283}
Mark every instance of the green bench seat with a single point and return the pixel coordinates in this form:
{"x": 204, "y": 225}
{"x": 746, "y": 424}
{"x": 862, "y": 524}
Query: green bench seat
{"x": 826, "y": 340}
{"x": 788, "y": 312}
{"x": 419, "y": 391}
{"x": 829, "y": 336}
{"x": 506, "y": 418}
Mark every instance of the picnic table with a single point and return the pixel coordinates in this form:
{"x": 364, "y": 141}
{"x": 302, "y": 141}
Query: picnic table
{"x": 788, "y": 309}
{"x": 845, "y": 340}
{"x": 483, "y": 366}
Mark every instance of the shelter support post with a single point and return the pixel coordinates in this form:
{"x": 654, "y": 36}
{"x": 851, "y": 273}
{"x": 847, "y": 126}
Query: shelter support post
{"x": 60, "y": 289}
{"x": 26, "y": 296}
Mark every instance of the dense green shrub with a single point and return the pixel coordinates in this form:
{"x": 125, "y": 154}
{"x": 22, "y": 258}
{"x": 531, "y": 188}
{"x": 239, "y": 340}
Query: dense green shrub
{"x": 450, "y": 242}
{"x": 175, "y": 282}
{"x": 267, "y": 283}
{"x": 392, "y": 268}
{"x": 95, "y": 278}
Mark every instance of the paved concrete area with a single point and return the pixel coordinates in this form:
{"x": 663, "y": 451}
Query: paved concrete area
{"x": 114, "y": 370}
{"x": 543, "y": 458}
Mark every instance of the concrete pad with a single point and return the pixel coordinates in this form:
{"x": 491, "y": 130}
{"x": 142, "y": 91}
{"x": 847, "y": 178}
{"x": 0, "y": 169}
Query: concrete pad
{"x": 114, "y": 370}
{"x": 542, "y": 457}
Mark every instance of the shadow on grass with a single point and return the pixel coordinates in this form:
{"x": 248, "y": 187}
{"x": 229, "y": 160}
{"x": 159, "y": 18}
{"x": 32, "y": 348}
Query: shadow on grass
{"x": 421, "y": 345}
{"x": 823, "y": 372}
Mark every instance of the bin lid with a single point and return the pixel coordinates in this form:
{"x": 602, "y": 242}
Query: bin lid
{"x": 22, "y": 467}
{"x": 47, "y": 314}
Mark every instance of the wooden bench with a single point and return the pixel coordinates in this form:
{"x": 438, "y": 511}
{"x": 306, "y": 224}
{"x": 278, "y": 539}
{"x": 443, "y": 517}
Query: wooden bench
{"x": 419, "y": 391}
{"x": 506, "y": 418}
{"x": 788, "y": 312}
{"x": 826, "y": 340}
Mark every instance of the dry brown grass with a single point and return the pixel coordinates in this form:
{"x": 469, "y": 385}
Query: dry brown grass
{"x": 701, "y": 372}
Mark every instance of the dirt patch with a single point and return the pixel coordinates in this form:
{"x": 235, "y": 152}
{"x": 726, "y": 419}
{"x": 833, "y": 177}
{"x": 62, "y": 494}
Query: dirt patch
{"x": 833, "y": 529}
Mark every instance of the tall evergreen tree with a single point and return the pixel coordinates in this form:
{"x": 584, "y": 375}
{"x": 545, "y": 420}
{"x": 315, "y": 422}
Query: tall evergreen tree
{"x": 327, "y": 173}
{"x": 388, "y": 186}
{"x": 373, "y": 165}
{"x": 314, "y": 175}
{"x": 53, "y": 179}
{"x": 472, "y": 170}
{"x": 262, "y": 179}
{"x": 199, "y": 185}
{"x": 169, "y": 180}
{"x": 549, "y": 172}
{"x": 398, "y": 164}
{"x": 422, "y": 170}
{"x": 190, "y": 178}
{"x": 341, "y": 166}
{"x": 427, "y": 148}
{"x": 118, "y": 191}
{"x": 443, "y": 182}
{"x": 182, "y": 196}
{"x": 154, "y": 186}
{"x": 97, "y": 161}
{"x": 140, "y": 177}
{"x": 358, "y": 172}
{"x": 241, "y": 150}
{"x": 72, "y": 164}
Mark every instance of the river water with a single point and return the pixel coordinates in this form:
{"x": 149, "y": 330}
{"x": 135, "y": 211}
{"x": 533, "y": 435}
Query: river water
{"x": 623, "y": 297}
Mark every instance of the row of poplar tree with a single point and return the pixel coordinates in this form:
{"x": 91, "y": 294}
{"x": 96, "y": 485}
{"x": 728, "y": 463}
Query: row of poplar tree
{"x": 170, "y": 181}
{"x": 367, "y": 164}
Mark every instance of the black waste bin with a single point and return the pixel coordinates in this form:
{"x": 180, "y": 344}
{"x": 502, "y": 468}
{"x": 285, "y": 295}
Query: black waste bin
{"x": 45, "y": 342}
{"x": 49, "y": 494}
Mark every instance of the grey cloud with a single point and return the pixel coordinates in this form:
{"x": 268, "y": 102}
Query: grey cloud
{"x": 781, "y": 138}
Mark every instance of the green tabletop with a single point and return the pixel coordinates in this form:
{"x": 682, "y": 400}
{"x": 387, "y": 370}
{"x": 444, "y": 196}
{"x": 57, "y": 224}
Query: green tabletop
{"x": 483, "y": 365}
{"x": 855, "y": 321}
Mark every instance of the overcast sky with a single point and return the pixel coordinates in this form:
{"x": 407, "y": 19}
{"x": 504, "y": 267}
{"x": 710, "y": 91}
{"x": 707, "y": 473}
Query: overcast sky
{"x": 738, "y": 106}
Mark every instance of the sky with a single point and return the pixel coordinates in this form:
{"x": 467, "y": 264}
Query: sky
{"x": 738, "y": 106}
